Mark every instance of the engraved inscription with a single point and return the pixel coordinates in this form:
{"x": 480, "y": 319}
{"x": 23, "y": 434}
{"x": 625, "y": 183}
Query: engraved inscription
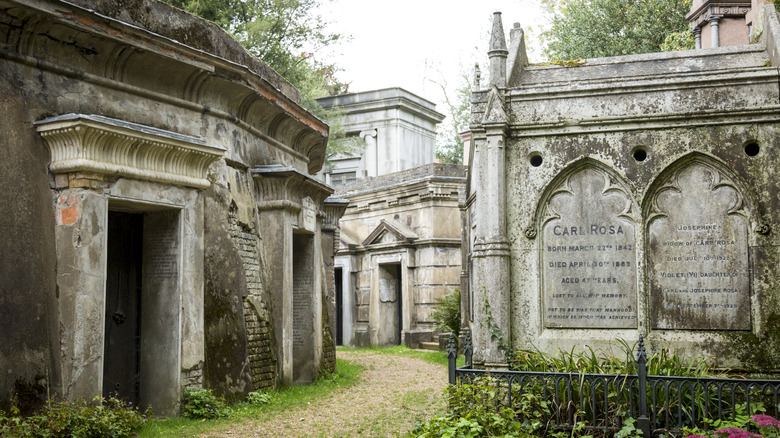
{"x": 589, "y": 255}
{"x": 162, "y": 254}
{"x": 697, "y": 258}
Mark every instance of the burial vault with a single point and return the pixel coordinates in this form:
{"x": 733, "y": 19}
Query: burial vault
{"x": 609, "y": 198}
{"x": 165, "y": 228}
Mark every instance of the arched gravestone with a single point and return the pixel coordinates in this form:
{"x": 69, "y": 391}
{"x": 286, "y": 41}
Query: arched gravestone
{"x": 588, "y": 260}
{"x": 697, "y": 257}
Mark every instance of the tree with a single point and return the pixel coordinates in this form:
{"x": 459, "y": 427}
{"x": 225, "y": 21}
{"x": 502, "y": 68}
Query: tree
{"x": 285, "y": 34}
{"x": 599, "y": 28}
{"x": 449, "y": 144}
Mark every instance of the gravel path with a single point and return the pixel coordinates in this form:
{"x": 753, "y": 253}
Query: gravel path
{"x": 393, "y": 393}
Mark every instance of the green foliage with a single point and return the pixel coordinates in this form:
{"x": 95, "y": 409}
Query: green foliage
{"x": 599, "y": 28}
{"x": 278, "y": 32}
{"x": 493, "y": 328}
{"x": 201, "y": 403}
{"x": 661, "y": 363}
{"x": 285, "y": 34}
{"x": 678, "y": 41}
{"x": 629, "y": 429}
{"x": 256, "y": 398}
{"x": 101, "y": 418}
{"x": 446, "y": 314}
{"x": 477, "y": 410}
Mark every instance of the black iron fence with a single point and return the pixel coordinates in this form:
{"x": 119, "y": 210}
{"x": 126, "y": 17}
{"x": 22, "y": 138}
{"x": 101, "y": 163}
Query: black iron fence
{"x": 660, "y": 404}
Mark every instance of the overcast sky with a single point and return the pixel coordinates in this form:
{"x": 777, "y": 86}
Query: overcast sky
{"x": 409, "y": 43}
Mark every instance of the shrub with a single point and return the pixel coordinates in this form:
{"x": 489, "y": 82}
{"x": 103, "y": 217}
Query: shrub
{"x": 256, "y": 398}
{"x": 101, "y": 418}
{"x": 200, "y": 403}
{"x": 475, "y": 411}
{"x": 446, "y": 314}
{"x": 765, "y": 425}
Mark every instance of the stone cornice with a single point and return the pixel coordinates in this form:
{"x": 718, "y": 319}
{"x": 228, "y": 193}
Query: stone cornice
{"x": 641, "y": 84}
{"x": 101, "y": 145}
{"x": 380, "y": 100}
{"x": 281, "y": 187}
{"x": 334, "y": 209}
{"x": 650, "y": 121}
{"x": 416, "y": 244}
{"x": 723, "y": 8}
{"x": 423, "y": 190}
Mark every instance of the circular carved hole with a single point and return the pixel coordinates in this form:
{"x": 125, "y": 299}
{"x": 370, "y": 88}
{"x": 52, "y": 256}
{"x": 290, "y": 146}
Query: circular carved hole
{"x": 640, "y": 154}
{"x": 752, "y": 149}
{"x": 536, "y": 160}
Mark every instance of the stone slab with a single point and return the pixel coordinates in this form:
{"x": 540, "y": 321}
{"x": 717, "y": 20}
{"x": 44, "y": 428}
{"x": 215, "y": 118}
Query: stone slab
{"x": 698, "y": 253}
{"x": 589, "y": 255}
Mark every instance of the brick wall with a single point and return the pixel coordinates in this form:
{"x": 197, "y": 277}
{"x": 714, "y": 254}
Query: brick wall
{"x": 260, "y": 338}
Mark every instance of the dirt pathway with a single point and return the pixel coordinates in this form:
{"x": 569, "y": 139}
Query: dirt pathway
{"x": 393, "y": 393}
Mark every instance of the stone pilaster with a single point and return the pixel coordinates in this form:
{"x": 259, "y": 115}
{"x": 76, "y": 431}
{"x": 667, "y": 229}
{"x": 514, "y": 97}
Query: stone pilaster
{"x": 491, "y": 248}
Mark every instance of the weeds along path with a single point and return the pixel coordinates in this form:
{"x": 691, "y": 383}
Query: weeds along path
{"x": 393, "y": 393}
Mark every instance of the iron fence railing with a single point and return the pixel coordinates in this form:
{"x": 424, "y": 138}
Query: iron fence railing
{"x": 660, "y": 404}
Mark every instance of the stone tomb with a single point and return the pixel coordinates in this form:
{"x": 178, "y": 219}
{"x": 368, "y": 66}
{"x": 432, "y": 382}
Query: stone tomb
{"x": 627, "y": 196}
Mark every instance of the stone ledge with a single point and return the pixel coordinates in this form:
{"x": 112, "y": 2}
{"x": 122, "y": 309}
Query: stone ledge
{"x": 102, "y": 145}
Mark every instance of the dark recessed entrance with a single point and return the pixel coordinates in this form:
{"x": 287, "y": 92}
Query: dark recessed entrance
{"x": 122, "y": 347}
{"x": 390, "y": 304}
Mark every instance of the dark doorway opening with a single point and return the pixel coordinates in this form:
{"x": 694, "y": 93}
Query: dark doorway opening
{"x": 390, "y": 322}
{"x": 122, "y": 338}
{"x": 339, "y": 307}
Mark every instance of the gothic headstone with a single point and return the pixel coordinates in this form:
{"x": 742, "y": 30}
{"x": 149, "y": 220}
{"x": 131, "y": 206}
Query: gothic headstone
{"x": 698, "y": 253}
{"x": 589, "y": 254}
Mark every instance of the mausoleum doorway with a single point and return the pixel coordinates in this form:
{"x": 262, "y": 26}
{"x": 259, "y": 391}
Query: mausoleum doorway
{"x": 390, "y": 304}
{"x": 142, "y": 304}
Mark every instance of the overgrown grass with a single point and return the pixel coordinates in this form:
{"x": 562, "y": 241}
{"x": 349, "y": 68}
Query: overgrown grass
{"x": 282, "y": 399}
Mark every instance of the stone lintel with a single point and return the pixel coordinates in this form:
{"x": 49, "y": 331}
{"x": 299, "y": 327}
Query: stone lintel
{"x": 93, "y": 144}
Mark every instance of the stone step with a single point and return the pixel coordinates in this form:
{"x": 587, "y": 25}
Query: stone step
{"x": 433, "y": 346}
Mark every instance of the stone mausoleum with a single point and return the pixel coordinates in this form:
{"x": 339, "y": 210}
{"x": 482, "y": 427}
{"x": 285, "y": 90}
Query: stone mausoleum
{"x": 400, "y": 237}
{"x": 162, "y": 225}
{"x": 625, "y": 196}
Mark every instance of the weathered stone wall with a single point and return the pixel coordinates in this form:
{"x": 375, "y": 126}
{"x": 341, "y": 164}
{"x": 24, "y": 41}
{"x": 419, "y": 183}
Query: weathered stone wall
{"x": 640, "y": 198}
{"x": 28, "y": 293}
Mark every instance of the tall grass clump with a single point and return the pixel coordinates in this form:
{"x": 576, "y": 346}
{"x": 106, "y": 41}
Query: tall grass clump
{"x": 571, "y": 393}
{"x": 611, "y": 396}
{"x": 446, "y": 313}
